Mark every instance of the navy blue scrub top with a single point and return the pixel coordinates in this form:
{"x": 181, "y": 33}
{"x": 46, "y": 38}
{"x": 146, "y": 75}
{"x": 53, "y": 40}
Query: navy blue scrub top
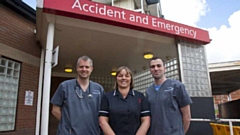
{"x": 79, "y": 115}
{"x": 124, "y": 114}
{"x": 165, "y": 107}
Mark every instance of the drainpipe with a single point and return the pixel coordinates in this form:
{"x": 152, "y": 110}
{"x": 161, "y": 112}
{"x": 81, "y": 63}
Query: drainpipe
{"x": 230, "y": 122}
{"x": 39, "y": 93}
{"x": 47, "y": 80}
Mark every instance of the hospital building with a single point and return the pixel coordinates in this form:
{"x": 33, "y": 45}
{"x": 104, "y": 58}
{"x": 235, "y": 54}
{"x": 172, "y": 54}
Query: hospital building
{"x": 37, "y": 46}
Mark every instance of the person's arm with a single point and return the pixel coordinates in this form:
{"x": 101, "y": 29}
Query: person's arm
{"x": 144, "y": 126}
{"x": 107, "y": 130}
{"x": 186, "y": 117}
{"x": 58, "y": 101}
{"x": 56, "y": 111}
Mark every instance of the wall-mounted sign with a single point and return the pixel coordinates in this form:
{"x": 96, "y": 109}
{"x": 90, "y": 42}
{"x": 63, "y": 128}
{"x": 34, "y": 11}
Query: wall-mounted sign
{"x": 98, "y": 12}
{"x": 29, "y": 98}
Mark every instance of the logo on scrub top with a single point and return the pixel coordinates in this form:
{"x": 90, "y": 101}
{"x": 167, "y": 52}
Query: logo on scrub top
{"x": 169, "y": 89}
{"x": 95, "y": 92}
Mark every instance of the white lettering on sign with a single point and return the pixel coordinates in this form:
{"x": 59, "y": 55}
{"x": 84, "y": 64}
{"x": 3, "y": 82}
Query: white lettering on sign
{"x": 104, "y": 10}
{"x": 138, "y": 19}
{"x": 99, "y": 10}
{"x": 171, "y": 27}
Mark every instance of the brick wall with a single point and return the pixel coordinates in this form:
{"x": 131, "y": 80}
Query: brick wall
{"x": 218, "y": 99}
{"x": 18, "y": 32}
{"x": 235, "y": 95}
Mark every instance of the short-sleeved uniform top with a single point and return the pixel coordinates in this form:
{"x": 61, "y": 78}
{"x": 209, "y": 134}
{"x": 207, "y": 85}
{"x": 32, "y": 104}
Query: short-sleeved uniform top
{"x": 165, "y": 104}
{"x": 79, "y": 115}
{"x": 124, "y": 114}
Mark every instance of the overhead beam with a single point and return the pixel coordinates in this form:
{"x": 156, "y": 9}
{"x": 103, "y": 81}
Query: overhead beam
{"x": 224, "y": 66}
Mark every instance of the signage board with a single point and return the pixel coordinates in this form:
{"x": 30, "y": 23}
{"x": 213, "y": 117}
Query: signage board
{"x": 98, "y": 12}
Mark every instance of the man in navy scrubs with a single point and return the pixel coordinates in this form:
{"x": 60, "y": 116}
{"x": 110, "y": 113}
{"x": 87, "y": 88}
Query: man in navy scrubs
{"x": 169, "y": 103}
{"x": 76, "y": 102}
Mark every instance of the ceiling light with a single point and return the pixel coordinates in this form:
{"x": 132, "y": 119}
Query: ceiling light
{"x": 68, "y": 69}
{"x": 113, "y": 73}
{"x": 148, "y": 55}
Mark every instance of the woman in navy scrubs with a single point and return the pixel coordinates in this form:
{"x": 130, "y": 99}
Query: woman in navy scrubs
{"x": 124, "y": 111}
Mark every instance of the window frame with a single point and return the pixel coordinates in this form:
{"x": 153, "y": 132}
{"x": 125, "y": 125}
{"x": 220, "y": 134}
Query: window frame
{"x": 9, "y": 87}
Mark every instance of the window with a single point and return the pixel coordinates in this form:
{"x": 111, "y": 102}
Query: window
{"x": 9, "y": 80}
{"x": 194, "y": 67}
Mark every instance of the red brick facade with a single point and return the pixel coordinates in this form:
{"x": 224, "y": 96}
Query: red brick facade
{"x": 218, "y": 99}
{"x": 18, "y": 32}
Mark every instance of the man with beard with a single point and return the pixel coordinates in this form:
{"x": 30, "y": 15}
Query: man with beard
{"x": 169, "y": 103}
{"x": 76, "y": 102}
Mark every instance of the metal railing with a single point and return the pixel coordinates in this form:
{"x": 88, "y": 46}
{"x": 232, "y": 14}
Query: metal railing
{"x": 230, "y": 121}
